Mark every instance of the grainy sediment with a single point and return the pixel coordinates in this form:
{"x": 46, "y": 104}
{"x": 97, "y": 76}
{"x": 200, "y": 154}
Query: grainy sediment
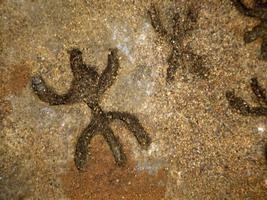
{"x": 201, "y": 147}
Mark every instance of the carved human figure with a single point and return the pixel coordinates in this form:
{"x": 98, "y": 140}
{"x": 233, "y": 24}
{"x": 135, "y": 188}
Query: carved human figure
{"x": 87, "y": 86}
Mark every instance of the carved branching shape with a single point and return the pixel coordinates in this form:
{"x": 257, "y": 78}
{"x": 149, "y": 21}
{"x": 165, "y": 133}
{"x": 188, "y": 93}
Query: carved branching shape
{"x": 237, "y": 103}
{"x": 243, "y": 108}
{"x": 180, "y": 28}
{"x": 259, "y": 11}
{"x": 87, "y": 86}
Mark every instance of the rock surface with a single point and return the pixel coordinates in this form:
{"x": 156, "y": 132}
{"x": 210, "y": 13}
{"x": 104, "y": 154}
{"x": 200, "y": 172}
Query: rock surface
{"x": 201, "y": 149}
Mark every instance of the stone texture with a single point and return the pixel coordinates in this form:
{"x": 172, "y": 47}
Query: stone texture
{"x": 201, "y": 148}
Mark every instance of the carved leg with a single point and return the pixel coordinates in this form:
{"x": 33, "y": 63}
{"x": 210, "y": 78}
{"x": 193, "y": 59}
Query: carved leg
{"x": 82, "y": 150}
{"x": 173, "y": 65}
{"x": 259, "y": 92}
{"x": 171, "y": 72}
{"x": 238, "y": 103}
{"x": 47, "y": 94}
{"x": 115, "y": 146}
{"x": 133, "y": 124}
{"x": 255, "y": 33}
{"x": 243, "y": 107}
{"x": 259, "y": 111}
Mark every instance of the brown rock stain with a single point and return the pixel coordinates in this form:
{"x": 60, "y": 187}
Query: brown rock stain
{"x": 104, "y": 180}
{"x": 13, "y": 79}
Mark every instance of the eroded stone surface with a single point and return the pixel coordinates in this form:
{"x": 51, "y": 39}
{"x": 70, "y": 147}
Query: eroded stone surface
{"x": 200, "y": 148}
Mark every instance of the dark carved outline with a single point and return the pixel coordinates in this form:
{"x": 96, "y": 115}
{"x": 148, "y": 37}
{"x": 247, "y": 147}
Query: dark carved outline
{"x": 87, "y": 86}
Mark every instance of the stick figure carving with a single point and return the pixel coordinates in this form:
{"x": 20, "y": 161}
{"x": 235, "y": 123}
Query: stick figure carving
{"x": 179, "y": 53}
{"x": 259, "y": 11}
{"x": 87, "y": 86}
